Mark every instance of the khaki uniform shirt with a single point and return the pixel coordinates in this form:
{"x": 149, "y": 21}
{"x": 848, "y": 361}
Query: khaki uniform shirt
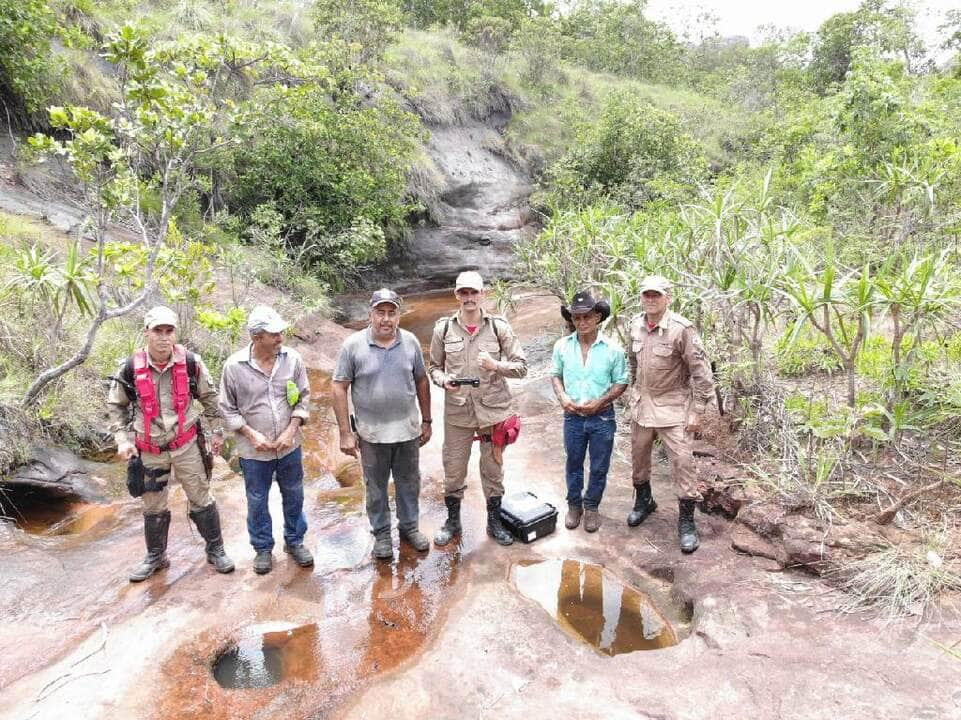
{"x": 670, "y": 370}
{"x": 126, "y": 419}
{"x": 453, "y": 354}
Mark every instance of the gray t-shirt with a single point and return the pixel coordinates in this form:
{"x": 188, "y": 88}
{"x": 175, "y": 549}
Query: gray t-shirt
{"x": 382, "y": 385}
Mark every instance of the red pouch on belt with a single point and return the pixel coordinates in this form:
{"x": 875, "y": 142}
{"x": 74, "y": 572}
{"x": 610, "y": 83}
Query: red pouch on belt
{"x": 505, "y": 432}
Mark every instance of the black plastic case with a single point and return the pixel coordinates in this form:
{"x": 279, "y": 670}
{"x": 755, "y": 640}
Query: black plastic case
{"x": 528, "y": 518}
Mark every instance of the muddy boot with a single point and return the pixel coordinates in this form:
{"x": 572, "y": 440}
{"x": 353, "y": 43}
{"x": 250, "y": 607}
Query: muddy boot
{"x": 155, "y": 527}
{"x": 207, "y": 521}
{"x": 416, "y": 539}
{"x": 383, "y": 547}
{"x": 592, "y": 520}
{"x": 495, "y": 528}
{"x": 573, "y": 517}
{"x": 451, "y": 528}
{"x": 686, "y": 530}
{"x": 644, "y": 505}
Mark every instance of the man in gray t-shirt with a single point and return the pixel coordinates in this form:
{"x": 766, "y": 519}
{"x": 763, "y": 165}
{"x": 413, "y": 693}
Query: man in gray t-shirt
{"x": 382, "y": 369}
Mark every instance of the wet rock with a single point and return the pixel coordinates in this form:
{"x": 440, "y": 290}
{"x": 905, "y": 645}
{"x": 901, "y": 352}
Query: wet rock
{"x": 56, "y": 471}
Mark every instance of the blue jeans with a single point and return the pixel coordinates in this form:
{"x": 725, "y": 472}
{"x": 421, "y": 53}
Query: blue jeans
{"x": 594, "y": 433}
{"x": 258, "y": 477}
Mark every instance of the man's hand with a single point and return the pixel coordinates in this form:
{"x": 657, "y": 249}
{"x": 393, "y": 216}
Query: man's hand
{"x": 127, "y": 450}
{"x": 425, "y": 433}
{"x": 286, "y": 439}
{"x": 569, "y": 405}
{"x": 216, "y": 443}
{"x": 693, "y": 422}
{"x": 486, "y": 361}
{"x": 592, "y": 407}
{"x": 348, "y": 444}
{"x": 258, "y": 440}
{"x": 448, "y": 386}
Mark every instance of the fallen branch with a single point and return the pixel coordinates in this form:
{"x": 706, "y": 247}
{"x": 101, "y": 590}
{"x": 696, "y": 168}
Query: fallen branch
{"x": 886, "y": 516}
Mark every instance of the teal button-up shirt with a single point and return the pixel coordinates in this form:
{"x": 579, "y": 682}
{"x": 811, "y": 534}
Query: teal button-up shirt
{"x": 606, "y": 366}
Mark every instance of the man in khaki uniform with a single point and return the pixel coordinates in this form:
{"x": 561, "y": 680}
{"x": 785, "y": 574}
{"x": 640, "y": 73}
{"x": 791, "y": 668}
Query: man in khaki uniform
{"x": 474, "y": 345}
{"x": 671, "y": 387}
{"x": 169, "y": 445}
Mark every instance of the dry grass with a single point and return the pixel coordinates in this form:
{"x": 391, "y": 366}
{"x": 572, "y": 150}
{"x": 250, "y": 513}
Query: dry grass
{"x": 900, "y": 581}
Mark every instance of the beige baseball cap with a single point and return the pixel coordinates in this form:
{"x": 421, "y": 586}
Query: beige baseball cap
{"x": 265, "y": 319}
{"x": 159, "y": 315}
{"x": 657, "y": 283}
{"x": 469, "y": 279}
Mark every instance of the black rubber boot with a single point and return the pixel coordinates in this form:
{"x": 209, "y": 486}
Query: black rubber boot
{"x": 155, "y": 527}
{"x": 451, "y": 528}
{"x": 207, "y": 521}
{"x": 686, "y": 530}
{"x": 644, "y": 505}
{"x": 495, "y": 528}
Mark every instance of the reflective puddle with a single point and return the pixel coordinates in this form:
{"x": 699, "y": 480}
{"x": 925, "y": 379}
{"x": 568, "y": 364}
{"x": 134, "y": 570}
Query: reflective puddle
{"x": 593, "y": 606}
{"x": 41, "y": 513}
{"x": 268, "y": 658}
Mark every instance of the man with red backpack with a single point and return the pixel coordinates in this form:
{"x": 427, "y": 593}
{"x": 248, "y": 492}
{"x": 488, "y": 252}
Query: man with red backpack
{"x": 157, "y": 427}
{"x": 472, "y": 353}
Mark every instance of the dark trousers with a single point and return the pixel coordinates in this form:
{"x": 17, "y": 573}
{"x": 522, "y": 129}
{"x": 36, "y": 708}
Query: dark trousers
{"x": 258, "y": 477}
{"x": 593, "y": 434}
{"x": 380, "y": 461}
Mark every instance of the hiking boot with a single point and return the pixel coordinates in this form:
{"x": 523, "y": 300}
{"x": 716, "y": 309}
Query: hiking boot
{"x": 451, "y": 528}
{"x": 573, "y": 517}
{"x": 592, "y": 520}
{"x": 495, "y": 528}
{"x": 155, "y": 527}
{"x": 416, "y": 539}
{"x": 644, "y": 505}
{"x": 263, "y": 562}
{"x": 686, "y": 530}
{"x": 207, "y": 520}
{"x": 383, "y": 548}
{"x": 300, "y": 554}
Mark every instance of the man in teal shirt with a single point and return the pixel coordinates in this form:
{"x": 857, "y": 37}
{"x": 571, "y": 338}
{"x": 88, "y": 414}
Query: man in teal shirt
{"x": 589, "y": 373}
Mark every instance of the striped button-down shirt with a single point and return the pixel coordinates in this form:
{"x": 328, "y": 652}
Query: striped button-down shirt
{"x": 249, "y": 396}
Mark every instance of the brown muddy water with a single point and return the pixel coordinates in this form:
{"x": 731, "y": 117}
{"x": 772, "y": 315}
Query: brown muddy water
{"x": 593, "y": 606}
{"x": 418, "y": 314}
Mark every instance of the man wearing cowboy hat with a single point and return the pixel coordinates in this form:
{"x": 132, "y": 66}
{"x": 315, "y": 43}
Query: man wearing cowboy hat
{"x": 671, "y": 387}
{"x": 589, "y": 372}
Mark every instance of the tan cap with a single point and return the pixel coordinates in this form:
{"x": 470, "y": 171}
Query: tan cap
{"x": 159, "y": 315}
{"x": 265, "y": 319}
{"x": 656, "y": 283}
{"x": 469, "y": 279}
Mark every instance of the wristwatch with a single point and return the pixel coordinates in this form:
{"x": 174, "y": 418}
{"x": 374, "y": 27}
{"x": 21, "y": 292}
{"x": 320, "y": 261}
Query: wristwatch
{"x": 428, "y": 422}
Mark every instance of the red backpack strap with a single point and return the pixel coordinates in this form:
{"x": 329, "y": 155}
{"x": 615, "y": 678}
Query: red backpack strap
{"x": 181, "y": 386}
{"x": 146, "y": 396}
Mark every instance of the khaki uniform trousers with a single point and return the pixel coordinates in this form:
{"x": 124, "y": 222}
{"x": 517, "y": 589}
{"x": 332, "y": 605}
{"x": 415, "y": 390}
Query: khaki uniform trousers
{"x": 187, "y": 468}
{"x": 678, "y": 443}
{"x": 457, "y": 447}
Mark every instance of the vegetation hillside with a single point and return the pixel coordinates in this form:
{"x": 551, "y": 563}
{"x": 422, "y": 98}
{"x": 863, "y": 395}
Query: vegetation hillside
{"x": 804, "y": 194}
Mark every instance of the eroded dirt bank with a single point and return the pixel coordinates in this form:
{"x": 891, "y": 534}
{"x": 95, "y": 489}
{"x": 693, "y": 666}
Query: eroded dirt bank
{"x": 446, "y": 634}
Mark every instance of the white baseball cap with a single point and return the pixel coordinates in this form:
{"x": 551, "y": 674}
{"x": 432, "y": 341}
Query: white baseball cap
{"x": 265, "y": 319}
{"x": 159, "y": 315}
{"x": 469, "y": 279}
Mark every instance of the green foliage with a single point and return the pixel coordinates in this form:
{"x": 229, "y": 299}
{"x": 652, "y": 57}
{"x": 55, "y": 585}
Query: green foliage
{"x": 366, "y": 25}
{"x": 807, "y": 353}
{"x": 635, "y": 154}
{"x": 27, "y": 66}
{"x": 331, "y": 177}
{"x": 614, "y": 36}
